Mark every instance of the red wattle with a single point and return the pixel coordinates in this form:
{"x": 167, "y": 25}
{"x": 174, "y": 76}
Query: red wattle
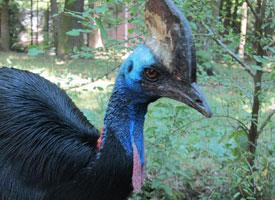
{"x": 99, "y": 141}
{"x": 138, "y": 171}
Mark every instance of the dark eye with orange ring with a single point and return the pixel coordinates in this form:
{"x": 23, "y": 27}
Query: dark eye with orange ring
{"x": 151, "y": 74}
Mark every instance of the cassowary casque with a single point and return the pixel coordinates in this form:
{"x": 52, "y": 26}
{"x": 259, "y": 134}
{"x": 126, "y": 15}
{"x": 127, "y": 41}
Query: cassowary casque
{"x": 49, "y": 150}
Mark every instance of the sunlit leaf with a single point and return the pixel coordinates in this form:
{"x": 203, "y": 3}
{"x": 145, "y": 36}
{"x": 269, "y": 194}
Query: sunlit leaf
{"x": 35, "y": 51}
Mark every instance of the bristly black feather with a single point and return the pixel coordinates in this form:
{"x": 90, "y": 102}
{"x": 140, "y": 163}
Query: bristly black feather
{"x": 48, "y": 148}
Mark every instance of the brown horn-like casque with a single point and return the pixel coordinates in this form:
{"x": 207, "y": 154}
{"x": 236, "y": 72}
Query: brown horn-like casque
{"x": 170, "y": 38}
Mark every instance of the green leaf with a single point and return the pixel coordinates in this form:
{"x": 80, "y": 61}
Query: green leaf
{"x": 34, "y": 51}
{"x": 103, "y": 31}
{"x": 236, "y": 195}
{"x": 131, "y": 31}
{"x": 271, "y": 49}
{"x": 261, "y": 59}
{"x": 101, "y": 9}
{"x": 256, "y": 67}
{"x": 76, "y": 32}
{"x": 73, "y": 33}
{"x": 241, "y": 141}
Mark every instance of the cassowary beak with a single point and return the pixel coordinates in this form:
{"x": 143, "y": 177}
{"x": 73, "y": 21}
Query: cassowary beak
{"x": 191, "y": 95}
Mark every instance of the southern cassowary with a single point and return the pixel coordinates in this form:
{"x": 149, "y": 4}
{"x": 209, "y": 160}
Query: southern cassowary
{"x": 48, "y": 149}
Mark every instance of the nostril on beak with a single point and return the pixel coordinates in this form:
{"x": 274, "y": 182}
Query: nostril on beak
{"x": 198, "y": 101}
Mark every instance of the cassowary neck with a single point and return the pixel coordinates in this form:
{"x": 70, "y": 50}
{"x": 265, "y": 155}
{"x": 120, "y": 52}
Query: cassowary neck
{"x": 125, "y": 119}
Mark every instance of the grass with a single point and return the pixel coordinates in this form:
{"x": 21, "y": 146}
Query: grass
{"x": 69, "y": 75}
{"x": 187, "y": 154}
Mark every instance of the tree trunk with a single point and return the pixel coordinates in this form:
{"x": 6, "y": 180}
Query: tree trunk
{"x": 253, "y": 131}
{"x": 5, "y": 33}
{"x": 258, "y": 34}
{"x": 56, "y": 22}
{"x": 228, "y": 15}
{"x": 116, "y": 27}
{"x": 37, "y": 23}
{"x": 243, "y": 30}
{"x": 221, "y": 6}
{"x": 67, "y": 43}
{"x": 94, "y": 38}
{"x": 46, "y": 25}
{"x": 235, "y": 24}
{"x": 126, "y": 28}
{"x": 31, "y": 22}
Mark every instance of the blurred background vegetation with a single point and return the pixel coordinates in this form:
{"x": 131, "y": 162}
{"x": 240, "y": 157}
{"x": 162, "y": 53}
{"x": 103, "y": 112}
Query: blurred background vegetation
{"x": 79, "y": 44}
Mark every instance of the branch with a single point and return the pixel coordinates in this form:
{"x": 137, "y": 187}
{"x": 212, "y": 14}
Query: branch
{"x": 242, "y": 124}
{"x": 231, "y": 53}
{"x": 100, "y": 77}
{"x": 252, "y": 9}
{"x": 265, "y": 122}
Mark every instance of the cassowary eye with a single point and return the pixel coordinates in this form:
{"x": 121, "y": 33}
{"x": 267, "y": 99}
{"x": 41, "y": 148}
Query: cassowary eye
{"x": 151, "y": 74}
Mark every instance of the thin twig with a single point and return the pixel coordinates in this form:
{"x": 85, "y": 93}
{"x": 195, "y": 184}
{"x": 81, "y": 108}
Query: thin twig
{"x": 106, "y": 74}
{"x": 242, "y": 124}
{"x": 265, "y": 122}
{"x": 231, "y": 53}
{"x": 98, "y": 78}
{"x": 252, "y": 9}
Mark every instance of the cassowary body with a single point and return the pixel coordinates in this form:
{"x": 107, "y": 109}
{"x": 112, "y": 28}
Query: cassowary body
{"x": 48, "y": 149}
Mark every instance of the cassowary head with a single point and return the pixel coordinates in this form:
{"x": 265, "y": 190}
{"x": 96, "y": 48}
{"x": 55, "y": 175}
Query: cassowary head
{"x": 165, "y": 66}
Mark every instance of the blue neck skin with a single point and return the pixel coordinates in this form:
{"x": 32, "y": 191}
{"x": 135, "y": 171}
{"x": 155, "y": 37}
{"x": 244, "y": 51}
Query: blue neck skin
{"x": 125, "y": 118}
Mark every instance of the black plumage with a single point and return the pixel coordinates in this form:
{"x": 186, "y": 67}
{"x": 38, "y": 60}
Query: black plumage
{"x": 48, "y": 148}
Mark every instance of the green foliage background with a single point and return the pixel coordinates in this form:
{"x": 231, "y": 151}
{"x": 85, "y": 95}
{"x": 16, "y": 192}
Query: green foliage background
{"x": 188, "y": 156}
